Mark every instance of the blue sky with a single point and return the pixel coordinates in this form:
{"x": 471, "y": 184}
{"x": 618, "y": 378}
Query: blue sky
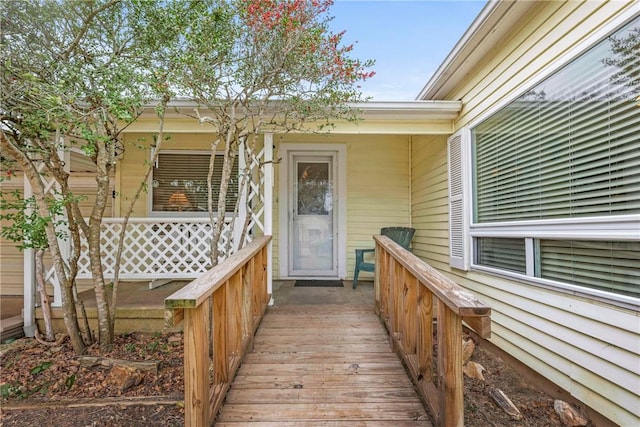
{"x": 407, "y": 39}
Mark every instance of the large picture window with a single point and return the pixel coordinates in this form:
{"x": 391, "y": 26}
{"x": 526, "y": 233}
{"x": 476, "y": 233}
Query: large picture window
{"x": 179, "y": 182}
{"x": 556, "y": 174}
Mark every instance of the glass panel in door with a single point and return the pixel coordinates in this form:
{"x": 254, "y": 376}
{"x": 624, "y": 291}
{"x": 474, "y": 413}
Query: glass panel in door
{"x": 312, "y": 222}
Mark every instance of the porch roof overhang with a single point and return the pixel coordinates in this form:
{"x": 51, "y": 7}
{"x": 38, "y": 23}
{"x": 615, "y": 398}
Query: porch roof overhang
{"x": 492, "y": 24}
{"x": 380, "y": 117}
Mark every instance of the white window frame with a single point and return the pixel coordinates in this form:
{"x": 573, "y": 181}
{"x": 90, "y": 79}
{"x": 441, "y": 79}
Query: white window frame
{"x": 620, "y": 227}
{"x": 174, "y": 214}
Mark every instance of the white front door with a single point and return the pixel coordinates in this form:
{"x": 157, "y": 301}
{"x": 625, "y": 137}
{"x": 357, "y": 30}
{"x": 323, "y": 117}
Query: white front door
{"x": 312, "y": 214}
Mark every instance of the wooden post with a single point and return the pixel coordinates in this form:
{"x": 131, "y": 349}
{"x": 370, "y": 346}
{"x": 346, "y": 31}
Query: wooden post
{"x": 410, "y": 306}
{"x": 391, "y": 292}
{"x": 424, "y": 344}
{"x": 450, "y": 366}
{"x": 234, "y": 313}
{"x": 220, "y": 352}
{"x": 196, "y": 367}
{"x": 376, "y": 274}
{"x": 384, "y": 283}
{"x": 247, "y": 299}
{"x": 259, "y": 277}
{"x": 398, "y": 297}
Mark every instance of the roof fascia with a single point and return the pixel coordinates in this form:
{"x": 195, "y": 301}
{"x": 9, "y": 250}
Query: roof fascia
{"x": 373, "y": 110}
{"x": 494, "y": 21}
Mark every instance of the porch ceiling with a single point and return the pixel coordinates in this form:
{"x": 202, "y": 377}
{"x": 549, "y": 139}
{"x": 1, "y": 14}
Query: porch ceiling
{"x": 390, "y": 117}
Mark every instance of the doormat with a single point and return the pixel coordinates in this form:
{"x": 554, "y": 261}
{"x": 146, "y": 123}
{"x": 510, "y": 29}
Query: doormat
{"x": 319, "y": 283}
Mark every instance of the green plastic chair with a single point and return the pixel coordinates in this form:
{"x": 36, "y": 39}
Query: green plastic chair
{"x": 400, "y": 235}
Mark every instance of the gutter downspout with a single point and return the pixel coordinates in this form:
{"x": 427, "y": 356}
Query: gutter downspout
{"x": 410, "y": 180}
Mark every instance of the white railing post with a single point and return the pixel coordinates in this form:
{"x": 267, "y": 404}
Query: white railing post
{"x": 242, "y": 208}
{"x": 29, "y": 278}
{"x": 268, "y": 206}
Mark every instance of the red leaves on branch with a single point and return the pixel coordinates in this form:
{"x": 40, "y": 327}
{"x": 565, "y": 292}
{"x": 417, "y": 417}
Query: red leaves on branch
{"x": 285, "y": 14}
{"x": 289, "y": 17}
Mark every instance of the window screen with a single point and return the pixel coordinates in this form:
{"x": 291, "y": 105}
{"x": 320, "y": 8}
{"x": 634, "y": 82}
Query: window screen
{"x": 507, "y": 254}
{"x": 608, "y": 266}
{"x": 180, "y": 183}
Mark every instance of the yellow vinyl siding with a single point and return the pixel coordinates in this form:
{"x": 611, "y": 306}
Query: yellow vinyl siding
{"x": 275, "y": 215}
{"x": 429, "y": 200}
{"x": 543, "y": 40}
{"x": 11, "y": 273}
{"x": 377, "y": 189}
{"x": 589, "y": 348}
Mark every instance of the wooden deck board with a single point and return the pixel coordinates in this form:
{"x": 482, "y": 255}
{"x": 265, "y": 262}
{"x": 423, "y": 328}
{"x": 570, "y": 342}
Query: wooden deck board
{"x": 323, "y": 411}
{"x": 314, "y": 364}
{"x": 362, "y": 368}
{"x": 324, "y": 395}
{"x": 326, "y": 423}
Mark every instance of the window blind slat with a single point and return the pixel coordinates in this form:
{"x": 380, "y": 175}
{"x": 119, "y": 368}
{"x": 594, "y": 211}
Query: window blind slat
{"x": 596, "y": 264}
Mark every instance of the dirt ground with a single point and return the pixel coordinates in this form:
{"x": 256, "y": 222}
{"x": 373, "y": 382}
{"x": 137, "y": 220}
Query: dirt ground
{"x": 48, "y": 386}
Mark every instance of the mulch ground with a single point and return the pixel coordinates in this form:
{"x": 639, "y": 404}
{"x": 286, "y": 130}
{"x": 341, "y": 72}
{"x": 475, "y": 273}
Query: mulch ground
{"x": 47, "y": 386}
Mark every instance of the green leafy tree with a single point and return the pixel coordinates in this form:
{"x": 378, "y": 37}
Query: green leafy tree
{"x": 74, "y": 76}
{"x": 28, "y": 230}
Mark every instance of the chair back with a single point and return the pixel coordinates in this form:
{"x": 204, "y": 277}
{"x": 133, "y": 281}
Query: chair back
{"x": 400, "y": 235}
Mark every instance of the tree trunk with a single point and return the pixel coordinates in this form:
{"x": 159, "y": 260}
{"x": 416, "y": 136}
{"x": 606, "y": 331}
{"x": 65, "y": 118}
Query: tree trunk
{"x": 105, "y": 325}
{"x": 125, "y": 220}
{"x": 44, "y": 296}
{"x": 229, "y": 156}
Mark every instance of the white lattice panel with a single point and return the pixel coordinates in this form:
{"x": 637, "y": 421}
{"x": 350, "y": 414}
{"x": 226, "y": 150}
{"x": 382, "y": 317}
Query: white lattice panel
{"x": 255, "y": 196}
{"x": 156, "y": 248}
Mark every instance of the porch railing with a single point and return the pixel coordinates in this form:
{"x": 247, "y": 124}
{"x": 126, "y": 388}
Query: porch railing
{"x": 221, "y": 311}
{"x": 157, "y": 248}
{"x": 406, "y": 288}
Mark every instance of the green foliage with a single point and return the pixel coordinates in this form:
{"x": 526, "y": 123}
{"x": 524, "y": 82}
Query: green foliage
{"x": 9, "y": 390}
{"x": 70, "y": 381}
{"x": 41, "y": 367}
{"x": 152, "y": 346}
{"x": 25, "y": 225}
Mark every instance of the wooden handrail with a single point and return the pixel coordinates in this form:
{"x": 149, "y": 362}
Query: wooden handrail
{"x": 406, "y": 289}
{"x": 221, "y": 311}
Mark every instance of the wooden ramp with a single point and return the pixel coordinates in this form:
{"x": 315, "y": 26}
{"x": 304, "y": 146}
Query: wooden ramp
{"x": 322, "y": 365}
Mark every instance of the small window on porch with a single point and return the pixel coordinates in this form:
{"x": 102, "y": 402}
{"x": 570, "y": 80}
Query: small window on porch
{"x": 179, "y": 182}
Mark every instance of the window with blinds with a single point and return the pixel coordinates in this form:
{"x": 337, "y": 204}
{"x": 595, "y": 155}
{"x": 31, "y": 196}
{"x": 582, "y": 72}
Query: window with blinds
{"x": 608, "y": 266}
{"x": 507, "y": 254}
{"x": 180, "y": 182}
{"x": 567, "y": 149}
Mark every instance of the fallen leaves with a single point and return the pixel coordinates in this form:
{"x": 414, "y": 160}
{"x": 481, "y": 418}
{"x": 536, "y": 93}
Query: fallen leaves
{"x": 34, "y": 372}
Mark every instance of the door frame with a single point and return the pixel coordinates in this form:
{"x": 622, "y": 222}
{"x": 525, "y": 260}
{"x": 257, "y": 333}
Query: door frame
{"x": 340, "y": 151}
